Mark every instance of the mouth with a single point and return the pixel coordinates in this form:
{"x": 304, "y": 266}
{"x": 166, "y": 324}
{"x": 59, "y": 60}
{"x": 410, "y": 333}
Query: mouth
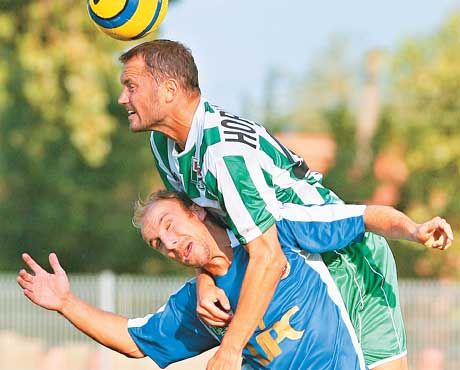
{"x": 131, "y": 112}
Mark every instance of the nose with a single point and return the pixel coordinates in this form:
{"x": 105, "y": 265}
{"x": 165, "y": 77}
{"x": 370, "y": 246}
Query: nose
{"x": 123, "y": 98}
{"x": 170, "y": 240}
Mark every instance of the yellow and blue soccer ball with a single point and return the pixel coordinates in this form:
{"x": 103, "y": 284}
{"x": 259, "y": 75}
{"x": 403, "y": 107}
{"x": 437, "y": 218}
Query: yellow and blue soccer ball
{"x": 127, "y": 19}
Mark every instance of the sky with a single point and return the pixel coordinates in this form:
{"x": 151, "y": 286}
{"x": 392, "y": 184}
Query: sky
{"x": 236, "y": 43}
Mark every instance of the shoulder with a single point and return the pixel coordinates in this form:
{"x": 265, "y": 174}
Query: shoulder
{"x": 226, "y": 134}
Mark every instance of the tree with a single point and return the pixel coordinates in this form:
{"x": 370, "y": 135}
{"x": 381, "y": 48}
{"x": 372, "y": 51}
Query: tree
{"x": 69, "y": 169}
{"x": 425, "y": 109}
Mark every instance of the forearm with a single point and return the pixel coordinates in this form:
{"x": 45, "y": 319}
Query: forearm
{"x": 265, "y": 268}
{"x": 390, "y": 223}
{"x": 108, "y": 329}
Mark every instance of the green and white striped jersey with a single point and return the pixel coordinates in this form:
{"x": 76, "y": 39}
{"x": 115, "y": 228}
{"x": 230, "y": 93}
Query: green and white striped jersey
{"x": 237, "y": 170}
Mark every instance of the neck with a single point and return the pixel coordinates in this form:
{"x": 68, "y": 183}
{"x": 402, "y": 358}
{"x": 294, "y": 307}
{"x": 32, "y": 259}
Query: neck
{"x": 177, "y": 125}
{"x": 223, "y": 255}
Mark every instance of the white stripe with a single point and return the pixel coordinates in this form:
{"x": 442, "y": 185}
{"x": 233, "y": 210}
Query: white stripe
{"x": 157, "y": 154}
{"x": 209, "y": 203}
{"x": 386, "y": 360}
{"x": 173, "y": 159}
{"x": 282, "y": 178}
{"x": 352, "y": 267}
{"x": 208, "y": 329}
{"x": 316, "y": 263}
{"x": 360, "y": 292}
{"x": 161, "y": 163}
{"x": 141, "y": 321}
{"x": 234, "y": 204}
{"x": 388, "y": 303}
{"x": 308, "y": 193}
{"x": 323, "y": 213}
{"x": 267, "y": 193}
{"x": 233, "y": 240}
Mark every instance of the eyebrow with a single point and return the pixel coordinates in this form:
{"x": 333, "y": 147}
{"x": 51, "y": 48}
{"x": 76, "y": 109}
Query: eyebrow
{"x": 125, "y": 81}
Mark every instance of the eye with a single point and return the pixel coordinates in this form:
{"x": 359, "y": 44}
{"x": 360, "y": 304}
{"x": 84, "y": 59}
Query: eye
{"x": 156, "y": 244}
{"x": 166, "y": 223}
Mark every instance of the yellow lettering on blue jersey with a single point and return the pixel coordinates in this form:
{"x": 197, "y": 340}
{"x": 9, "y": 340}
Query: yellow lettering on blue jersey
{"x": 270, "y": 343}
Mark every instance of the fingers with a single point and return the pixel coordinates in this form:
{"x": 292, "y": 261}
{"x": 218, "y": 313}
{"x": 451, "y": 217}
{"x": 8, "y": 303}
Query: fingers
{"x": 439, "y": 234}
{"x": 24, "y": 279}
{"x": 54, "y": 262}
{"x": 210, "y": 321}
{"x": 25, "y": 275}
{"x": 448, "y": 229}
{"x": 222, "y": 301}
{"x": 212, "y": 313}
{"x": 34, "y": 266}
{"x": 214, "y": 307}
{"x": 24, "y": 284}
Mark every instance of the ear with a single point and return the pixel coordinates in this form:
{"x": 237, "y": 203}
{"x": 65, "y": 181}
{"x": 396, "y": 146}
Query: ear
{"x": 198, "y": 211}
{"x": 171, "y": 88}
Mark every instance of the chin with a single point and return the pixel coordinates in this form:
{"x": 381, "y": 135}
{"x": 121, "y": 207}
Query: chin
{"x": 136, "y": 128}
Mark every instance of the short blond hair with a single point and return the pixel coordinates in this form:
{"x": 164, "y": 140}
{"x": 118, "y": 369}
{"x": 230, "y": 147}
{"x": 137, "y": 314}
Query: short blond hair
{"x": 141, "y": 206}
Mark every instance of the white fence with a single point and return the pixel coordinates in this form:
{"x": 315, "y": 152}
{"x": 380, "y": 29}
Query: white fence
{"x": 431, "y": 311}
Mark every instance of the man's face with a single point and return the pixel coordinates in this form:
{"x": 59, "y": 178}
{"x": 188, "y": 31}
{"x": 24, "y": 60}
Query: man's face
{"x": 141, "y": 95}
{"x": 178, "y": 233}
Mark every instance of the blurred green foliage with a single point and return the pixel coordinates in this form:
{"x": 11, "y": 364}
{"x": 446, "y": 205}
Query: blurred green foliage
{"x": 70, "y": 171}
{"x": 420, "y": 114}
{"x": 425, "y": 111}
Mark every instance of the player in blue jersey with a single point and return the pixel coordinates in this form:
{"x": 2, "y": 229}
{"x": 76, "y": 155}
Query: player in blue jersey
{"x": 306, "y": 325}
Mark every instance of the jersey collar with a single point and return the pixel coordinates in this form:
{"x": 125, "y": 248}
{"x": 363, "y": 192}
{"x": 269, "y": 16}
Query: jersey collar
{"x": 196, "y": 129}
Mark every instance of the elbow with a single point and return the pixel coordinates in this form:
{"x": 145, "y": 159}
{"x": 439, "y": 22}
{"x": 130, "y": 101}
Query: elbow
{"x": 136, "y": 353}
{"x": 271, "y": 261}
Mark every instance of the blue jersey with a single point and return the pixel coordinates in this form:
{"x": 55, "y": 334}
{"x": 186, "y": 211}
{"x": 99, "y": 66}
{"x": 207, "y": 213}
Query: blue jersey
{"x": 320, "y": 228}
{"x": 306, "y": 326}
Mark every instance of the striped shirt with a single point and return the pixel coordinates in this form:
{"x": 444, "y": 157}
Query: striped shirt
{"x": 236, "y": 169}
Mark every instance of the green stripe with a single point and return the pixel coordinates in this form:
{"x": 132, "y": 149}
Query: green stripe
{"x": 208, "y": 108}
{"x": 326, "y": 194}
{"x": 288, "y": 195}
{"x": 190, "y": 177}
{"x": 161, "y": 143}
{"x": 279, "y": 158}
{"x": 211, "y": 186}
{"x": 254, "y": 203}
{"x": 211, "y": 136}
{"x": 284, "y": 195}
{"x": 164, "y": 178}
{"x": 210, "y": 182}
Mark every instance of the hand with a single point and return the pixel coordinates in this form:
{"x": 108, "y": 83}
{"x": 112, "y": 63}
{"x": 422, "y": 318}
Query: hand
{"x": 212, "y": 305}
{"x": 435, "y": 233}
{"x": 49, "y": 291}
{"x": 225, "y": 359}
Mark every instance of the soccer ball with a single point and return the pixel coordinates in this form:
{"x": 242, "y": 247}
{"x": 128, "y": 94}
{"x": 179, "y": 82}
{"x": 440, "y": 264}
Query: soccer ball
{"x": 127, "y": 19}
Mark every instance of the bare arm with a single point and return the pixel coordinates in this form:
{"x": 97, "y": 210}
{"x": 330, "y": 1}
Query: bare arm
{"x": 265, "y": 268}
{"x": 393, "y": 224}
{"x": 52, "y": 291}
